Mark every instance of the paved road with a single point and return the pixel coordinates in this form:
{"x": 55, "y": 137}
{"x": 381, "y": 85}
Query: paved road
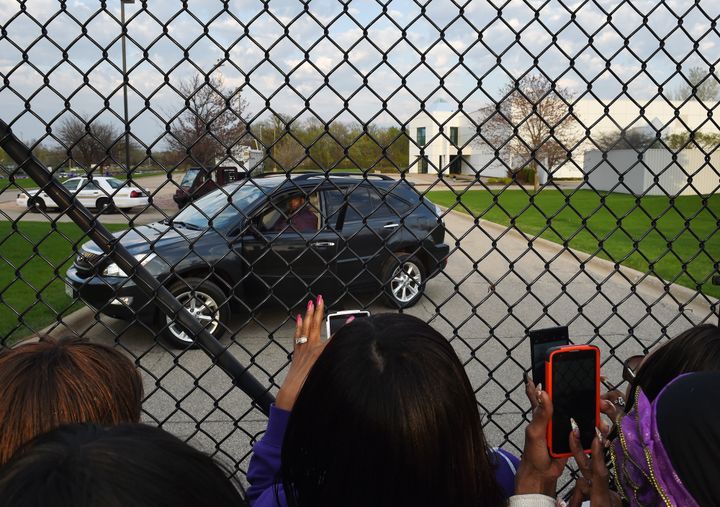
{"x": 492, "y": 288}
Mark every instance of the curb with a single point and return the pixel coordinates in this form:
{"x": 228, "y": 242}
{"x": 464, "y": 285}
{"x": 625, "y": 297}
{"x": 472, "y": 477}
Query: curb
{"x": 697, "y": 302}
{"x": 80, "y": 321}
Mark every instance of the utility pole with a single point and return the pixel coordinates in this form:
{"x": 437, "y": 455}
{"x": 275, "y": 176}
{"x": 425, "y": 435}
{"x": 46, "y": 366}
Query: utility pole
{"x": 125, "y": 84}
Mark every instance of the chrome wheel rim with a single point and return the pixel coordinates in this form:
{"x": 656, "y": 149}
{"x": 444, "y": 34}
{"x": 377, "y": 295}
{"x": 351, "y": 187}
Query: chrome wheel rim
{"x": 405, "y": 282}
{"x": 203, "y": 307}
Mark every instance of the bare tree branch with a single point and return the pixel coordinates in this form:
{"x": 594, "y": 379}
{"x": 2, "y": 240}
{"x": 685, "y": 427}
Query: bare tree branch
{"x": 213, "y": 120}
{"x": 532, "y": 124}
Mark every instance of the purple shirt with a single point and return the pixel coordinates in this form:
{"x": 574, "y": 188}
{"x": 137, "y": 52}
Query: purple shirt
{"x": 264, "y": 470}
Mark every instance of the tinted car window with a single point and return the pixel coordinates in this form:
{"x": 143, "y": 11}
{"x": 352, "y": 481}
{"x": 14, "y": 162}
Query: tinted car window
{"x": 215, "y": 206}
{"x": 334, "y": 202}
{"x": 387, "y": 205}
{"x": 90, "y": 186}
{"x": 189, "y": 178}
{"x": 358, "y": 205}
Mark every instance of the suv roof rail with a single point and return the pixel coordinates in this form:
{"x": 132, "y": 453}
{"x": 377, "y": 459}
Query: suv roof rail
{"x": 316, "y": 174}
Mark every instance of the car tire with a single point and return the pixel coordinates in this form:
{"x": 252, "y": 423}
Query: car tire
{"x": 104, "y": 205}
{"x": 213, "y": 310}
{"x": 403, "y": 280}
{"x": 37, "y": 205}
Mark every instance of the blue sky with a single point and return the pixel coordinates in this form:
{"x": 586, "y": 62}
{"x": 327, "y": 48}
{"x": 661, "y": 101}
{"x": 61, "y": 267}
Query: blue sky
{"x": 496, "y": 41}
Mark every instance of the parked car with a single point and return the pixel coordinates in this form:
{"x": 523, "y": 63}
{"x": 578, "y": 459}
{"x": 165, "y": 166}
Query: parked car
{"x": 198, "y": 182}
{"x": 101, "y": 192}
{"x": 277, "y": 235}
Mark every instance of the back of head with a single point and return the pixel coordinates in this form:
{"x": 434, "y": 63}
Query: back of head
{"x": 53, "y": 382}
{"x": 687, "y": 419}
{"x": 387, "y": 416}
{"x": 697, "y": 349}
{"x": 131, "y": 465}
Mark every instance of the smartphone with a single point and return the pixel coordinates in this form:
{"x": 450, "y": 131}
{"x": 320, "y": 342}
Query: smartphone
{"x": 540, "y": 341}
{"x": 573, "y": 384}
{"x": 335, "y": 321}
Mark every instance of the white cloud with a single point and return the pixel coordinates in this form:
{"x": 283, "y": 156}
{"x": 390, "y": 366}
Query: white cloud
{"x": 266, "y": 32}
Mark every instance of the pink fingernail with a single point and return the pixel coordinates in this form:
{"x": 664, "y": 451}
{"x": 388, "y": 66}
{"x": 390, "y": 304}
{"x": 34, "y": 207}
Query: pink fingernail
{"x": 319, "y": 299}
{"x": 299, "y": 318}
{"x": 350, "y": 319}
{"x": 310, "y": 304}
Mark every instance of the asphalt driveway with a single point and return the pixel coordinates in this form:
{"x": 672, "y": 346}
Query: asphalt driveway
{"x": 494, "y": 287}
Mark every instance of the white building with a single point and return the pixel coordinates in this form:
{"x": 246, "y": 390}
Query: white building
{"x": 654, "y": 172}
{"x": 450, "y": 143}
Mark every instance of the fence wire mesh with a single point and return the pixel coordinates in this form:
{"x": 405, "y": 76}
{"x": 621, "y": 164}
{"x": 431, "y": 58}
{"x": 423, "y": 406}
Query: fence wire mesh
{"x": 491, "y": 167}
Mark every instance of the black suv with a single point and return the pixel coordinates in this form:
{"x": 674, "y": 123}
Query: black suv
{"x": 274, "y": 236}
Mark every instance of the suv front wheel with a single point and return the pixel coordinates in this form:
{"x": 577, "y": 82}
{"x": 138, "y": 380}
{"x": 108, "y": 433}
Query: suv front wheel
{"x": 404, "y": 277}
{"x": 203, "y": 299}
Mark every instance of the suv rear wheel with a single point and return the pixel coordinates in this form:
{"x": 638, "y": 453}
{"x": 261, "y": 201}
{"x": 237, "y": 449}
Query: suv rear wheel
{"x": 206, "y": 301}
{"x": 404, "y": 277}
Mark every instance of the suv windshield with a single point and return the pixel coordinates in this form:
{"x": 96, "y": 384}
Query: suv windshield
{"x": 215, "y": 207}
{"x": 189, "y": 178}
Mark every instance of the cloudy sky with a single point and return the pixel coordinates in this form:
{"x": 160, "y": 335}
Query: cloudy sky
{"x": 361, "y": 60}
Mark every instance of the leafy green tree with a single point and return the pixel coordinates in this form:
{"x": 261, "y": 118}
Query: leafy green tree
{"x": 688, "y": 140}
{"x": 701, "y": 85}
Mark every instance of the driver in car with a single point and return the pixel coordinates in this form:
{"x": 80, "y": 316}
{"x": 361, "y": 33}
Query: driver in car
{"x": 300, "y": 217}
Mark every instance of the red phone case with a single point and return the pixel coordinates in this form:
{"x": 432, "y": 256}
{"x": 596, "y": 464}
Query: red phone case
{"x": 549, "y": 378}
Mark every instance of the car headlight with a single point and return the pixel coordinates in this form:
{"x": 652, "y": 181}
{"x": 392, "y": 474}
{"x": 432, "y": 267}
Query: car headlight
{"x": 114, "y": 270}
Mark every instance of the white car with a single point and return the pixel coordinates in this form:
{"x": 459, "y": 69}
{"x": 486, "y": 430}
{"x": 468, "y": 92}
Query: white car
{"x": 102, "y": 193}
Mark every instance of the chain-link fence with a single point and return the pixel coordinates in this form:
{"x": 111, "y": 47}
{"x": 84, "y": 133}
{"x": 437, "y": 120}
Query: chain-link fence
{"x": 489, "y": 167}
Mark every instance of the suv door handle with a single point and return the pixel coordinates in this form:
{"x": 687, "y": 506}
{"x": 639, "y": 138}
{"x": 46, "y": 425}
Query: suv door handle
{"x": 322, "y": 243}
{"x": 390, "y": 226}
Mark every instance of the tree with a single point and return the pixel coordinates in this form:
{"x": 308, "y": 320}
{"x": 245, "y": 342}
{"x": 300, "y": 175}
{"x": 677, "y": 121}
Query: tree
{"x": 283, "y": 151}
{"x": 700, "y": 85}
{"x": 212, "y": 122}
{"x": 90, "y": 143}
{"x": 532, "y": 123}
{"x": 638, "y": 139}
{"x": 688, "y": 140}
{"x": 5, "y": 160}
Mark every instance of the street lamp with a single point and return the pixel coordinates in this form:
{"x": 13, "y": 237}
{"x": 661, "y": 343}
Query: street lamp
{"x": 125, "y": 84}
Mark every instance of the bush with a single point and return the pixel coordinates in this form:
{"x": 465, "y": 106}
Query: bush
{"x": 526, "y": 175}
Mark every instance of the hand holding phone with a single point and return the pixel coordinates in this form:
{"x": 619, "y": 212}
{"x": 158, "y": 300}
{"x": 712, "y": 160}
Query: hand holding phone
{"x": 573, "y": 384}
{"x": 337, "y": 320}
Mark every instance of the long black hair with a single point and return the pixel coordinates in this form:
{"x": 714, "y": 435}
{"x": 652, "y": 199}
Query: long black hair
{"x": 697, "y": 349}
{"x": 133, "y": 465}
{"x": 387, "y": 417}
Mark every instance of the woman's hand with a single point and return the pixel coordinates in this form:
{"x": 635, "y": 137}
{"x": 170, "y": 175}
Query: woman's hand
{"x": 538, "y": 472}
{"x": 595, "y": 477}
{"x": 307, "y": 348}
{"x": 612, "y": 404}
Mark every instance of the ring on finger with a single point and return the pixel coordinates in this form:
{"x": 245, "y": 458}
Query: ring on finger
{"x": 301, "y": 340}
{"x": 620, "y": 402}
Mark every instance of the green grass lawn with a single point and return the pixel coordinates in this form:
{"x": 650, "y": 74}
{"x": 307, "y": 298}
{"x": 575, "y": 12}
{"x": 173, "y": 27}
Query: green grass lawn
{"x": 649, "y": 236}
{"x": 27, "y": 279}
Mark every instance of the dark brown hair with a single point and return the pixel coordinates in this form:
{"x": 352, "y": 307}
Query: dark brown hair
{"x": 387, "y": 417}
{"x": 130, "y": 465}
{"x": 696, "y": 349}
{"x": 58, "y": 381}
